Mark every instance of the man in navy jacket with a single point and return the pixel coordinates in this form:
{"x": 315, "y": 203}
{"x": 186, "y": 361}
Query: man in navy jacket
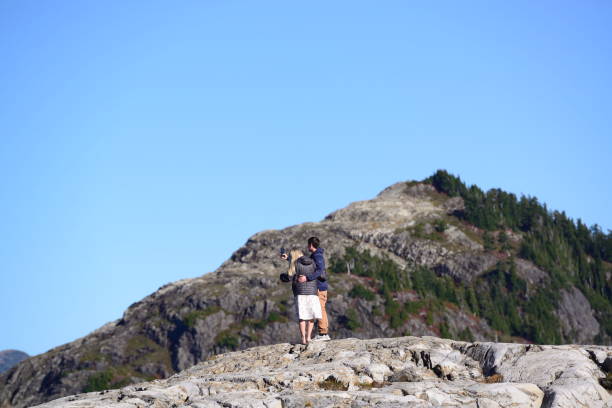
{"x": 320, "y": 275}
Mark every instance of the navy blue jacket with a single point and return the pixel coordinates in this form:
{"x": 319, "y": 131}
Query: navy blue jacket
{"x": 317, "y": 257}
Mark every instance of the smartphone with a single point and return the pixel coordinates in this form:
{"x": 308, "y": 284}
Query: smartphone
{"x": 282, "y": 251}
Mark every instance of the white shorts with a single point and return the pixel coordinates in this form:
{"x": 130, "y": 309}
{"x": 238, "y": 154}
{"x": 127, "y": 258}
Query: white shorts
{"x": 308, "y": 307}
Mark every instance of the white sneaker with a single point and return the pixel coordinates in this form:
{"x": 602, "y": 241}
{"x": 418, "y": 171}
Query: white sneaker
{"x": 321, "y": 337}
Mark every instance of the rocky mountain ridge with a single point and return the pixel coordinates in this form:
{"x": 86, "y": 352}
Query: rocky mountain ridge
{"x": 242, "y": 304}
{"x": 392, "y": 372}
{"x": 8, "y": 358}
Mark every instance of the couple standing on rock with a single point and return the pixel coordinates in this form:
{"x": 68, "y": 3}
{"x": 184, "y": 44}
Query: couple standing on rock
{"x": 309, "y": 285}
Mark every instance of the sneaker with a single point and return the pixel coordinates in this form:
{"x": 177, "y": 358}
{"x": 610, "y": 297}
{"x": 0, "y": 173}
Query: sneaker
{"x": 321, "y": 337}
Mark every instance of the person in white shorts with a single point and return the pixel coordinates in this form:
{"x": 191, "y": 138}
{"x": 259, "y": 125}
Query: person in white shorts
{"x": 307, "y": 304}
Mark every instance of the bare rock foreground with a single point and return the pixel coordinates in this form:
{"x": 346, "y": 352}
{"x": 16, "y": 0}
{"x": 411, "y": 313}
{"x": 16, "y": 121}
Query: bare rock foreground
{"x": 392, "y": 372}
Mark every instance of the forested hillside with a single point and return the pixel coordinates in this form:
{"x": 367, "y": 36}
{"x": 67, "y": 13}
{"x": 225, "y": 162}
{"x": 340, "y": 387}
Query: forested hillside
{"x": 571, "y": 252}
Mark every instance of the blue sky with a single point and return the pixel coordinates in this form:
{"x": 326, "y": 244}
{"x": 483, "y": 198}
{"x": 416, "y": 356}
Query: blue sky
{"x": 142, "y": 142}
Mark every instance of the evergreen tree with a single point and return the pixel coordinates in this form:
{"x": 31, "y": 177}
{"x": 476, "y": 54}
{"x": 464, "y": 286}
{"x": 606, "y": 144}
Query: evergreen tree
{"x": 488, "y": 241}
{"x": 504, "y": 241}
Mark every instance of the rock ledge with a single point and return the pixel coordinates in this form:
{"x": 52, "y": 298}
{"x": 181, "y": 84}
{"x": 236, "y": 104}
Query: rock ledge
{"x": 392, "y": 372}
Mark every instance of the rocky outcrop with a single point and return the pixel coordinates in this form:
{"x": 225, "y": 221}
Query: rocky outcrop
{"x": 8, "y": 358}
{"x": 242, "y": 304}
{"x": 576, "y": 316}
{"x": 393, "y": 372}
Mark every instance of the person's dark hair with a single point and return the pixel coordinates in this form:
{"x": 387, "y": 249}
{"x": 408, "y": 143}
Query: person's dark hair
{"x": 314, "y": 241}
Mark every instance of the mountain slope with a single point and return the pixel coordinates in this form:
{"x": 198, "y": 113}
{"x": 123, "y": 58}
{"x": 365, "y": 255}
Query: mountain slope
{"x": 9, "y": 358}
{"x": 401, "y": 263}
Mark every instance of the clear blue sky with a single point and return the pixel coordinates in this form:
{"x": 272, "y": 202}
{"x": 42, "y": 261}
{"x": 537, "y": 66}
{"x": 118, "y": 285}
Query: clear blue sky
{"x": 142, "y": 142}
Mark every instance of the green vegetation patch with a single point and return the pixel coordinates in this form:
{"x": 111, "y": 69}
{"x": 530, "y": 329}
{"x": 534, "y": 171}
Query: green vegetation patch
{"x": 112, "y": 378}
{"x": 359, "y": 291}
{"x": 466, "y": 335}
{"x": 190, "y": 318}
{"x": 140, "y": 351}
{"x": 384, "y": 271}
{"x": 440, "y": 225}
{"x": 275, "y": 317}
{"x": 445, "y": 331}
{"x": 226, "y": 339}
{"x": 99, "y": 381}
{"x": 272, "y": 318}
{"x": 93, "y": 356}
{"x": 415, "y": 307}
{"x": 418, "y": 231}
{"x": 351, "y": 320}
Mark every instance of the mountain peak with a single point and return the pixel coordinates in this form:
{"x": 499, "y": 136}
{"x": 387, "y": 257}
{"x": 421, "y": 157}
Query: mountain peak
{"x": 399, "y": 205}
{"x": 431, "y": 258}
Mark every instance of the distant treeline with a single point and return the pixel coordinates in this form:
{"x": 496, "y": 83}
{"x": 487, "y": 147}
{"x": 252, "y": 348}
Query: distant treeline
{"x": 571, "y": 252}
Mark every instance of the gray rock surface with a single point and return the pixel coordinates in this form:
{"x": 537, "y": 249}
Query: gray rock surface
{"x": 576, "y": 316}
{"x": 393, "y": 372}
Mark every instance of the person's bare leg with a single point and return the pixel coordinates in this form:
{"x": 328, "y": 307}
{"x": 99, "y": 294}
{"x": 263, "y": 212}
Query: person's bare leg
{"x": 309, "y": 326}
{"x": 303, "y": 331}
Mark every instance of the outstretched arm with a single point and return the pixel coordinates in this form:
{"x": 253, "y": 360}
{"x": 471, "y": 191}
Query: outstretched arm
{"x": 319, "y": 266}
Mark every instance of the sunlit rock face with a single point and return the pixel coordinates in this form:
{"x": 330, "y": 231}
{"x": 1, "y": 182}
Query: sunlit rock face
{"x": 392, "y": 372}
